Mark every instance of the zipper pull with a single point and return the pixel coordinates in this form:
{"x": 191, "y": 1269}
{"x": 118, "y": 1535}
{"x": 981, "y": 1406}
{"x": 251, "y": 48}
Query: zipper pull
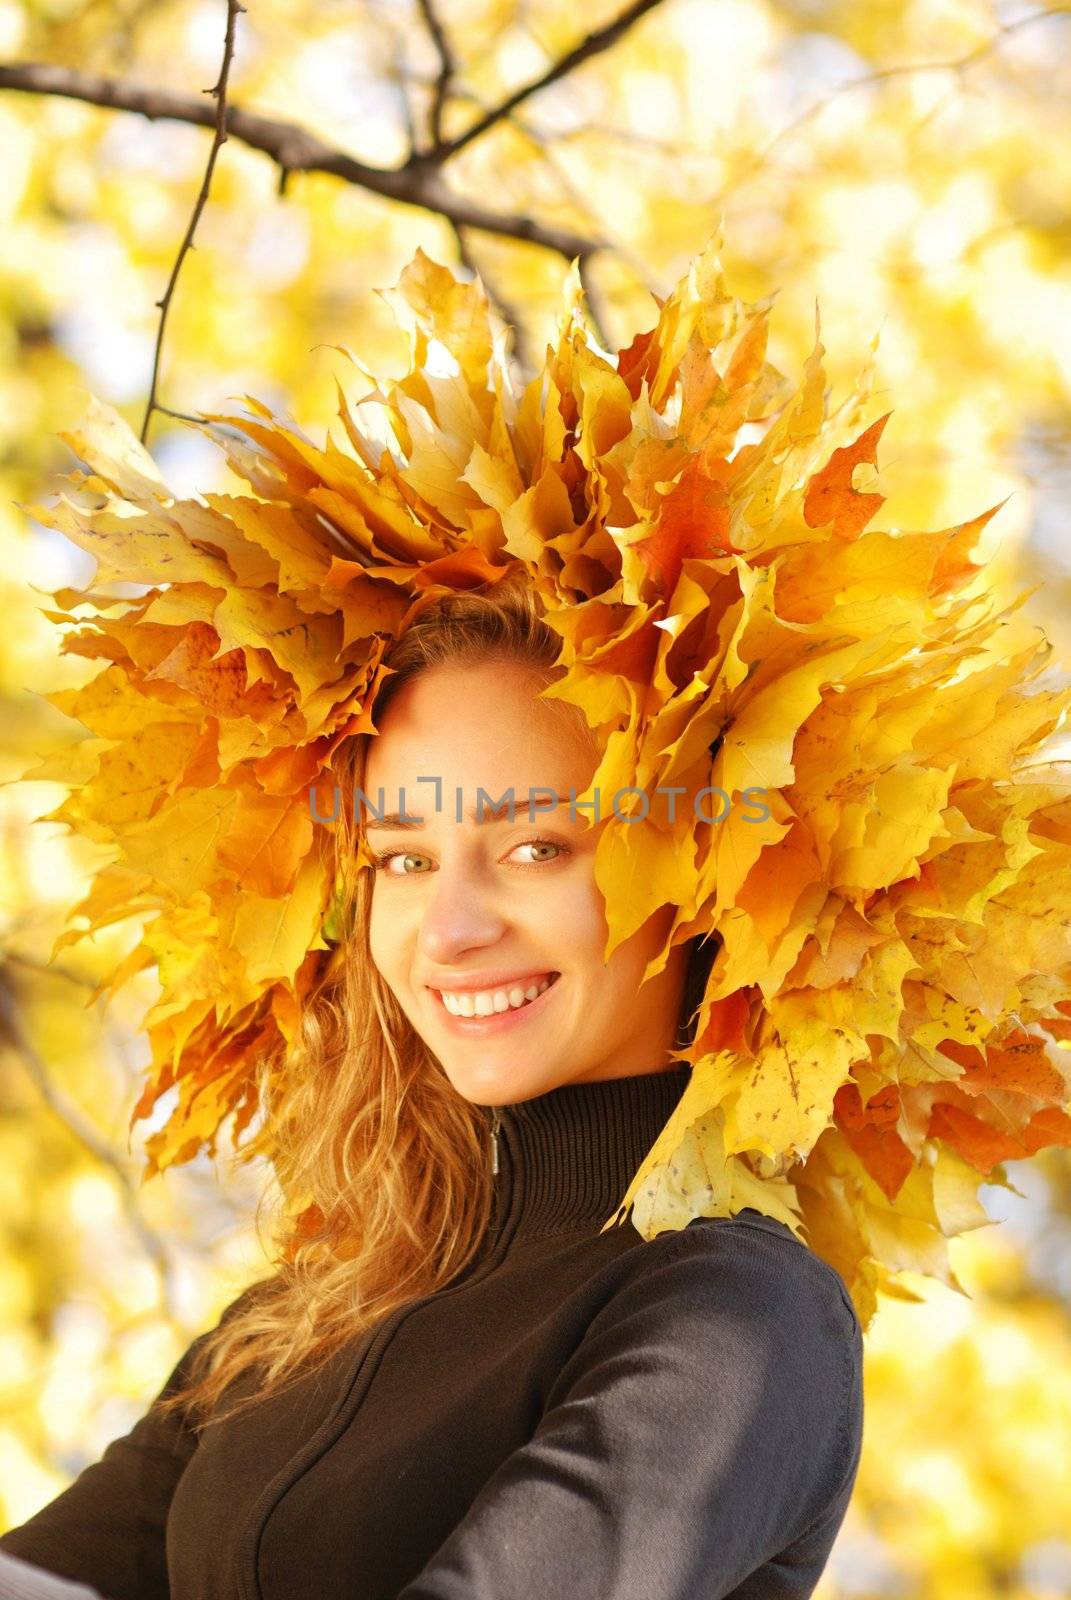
{"x": 495, "y": 1125}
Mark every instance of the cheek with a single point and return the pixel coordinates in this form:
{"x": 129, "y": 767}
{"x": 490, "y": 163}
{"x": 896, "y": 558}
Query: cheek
{"x": 394, "y": 918}
{"x": 578, "y": 909}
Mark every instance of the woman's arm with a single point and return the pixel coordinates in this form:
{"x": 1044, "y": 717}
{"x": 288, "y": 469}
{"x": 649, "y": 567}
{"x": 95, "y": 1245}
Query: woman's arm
{"x": 108, "y": 1527}
{"x": 710, "y": 1421}
{"x": 20, "y": 1581}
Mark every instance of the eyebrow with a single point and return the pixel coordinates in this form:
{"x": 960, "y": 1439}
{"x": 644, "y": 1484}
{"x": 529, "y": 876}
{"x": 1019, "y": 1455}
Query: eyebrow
{"x": 395, "y": 819}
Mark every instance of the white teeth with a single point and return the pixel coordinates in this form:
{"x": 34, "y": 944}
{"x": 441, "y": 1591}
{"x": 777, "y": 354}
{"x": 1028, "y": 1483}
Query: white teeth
{"x": 486, "y": 1002}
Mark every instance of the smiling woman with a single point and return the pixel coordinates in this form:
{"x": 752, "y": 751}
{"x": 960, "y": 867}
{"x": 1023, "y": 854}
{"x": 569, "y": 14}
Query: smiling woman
{"x": 597, "y": 1136}
{"x": 480, "y": 909}
{"x": 463, "y": 1384}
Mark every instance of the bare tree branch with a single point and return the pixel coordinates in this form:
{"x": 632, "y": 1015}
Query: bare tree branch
{"x": 440, "y": 94}
{"x": 13, "y": 1035}
{"x": 219, "y": 94}
{"x": 447, "y": 68}
{"x": 402, "y": 80}
{"x": 48, "y": 969}
{"x": 443, "y": 89}
{"x": 596, "y": 306}
{"x": 593, "y": 45}
{"x": 505, "y": 308}
{"x": 418, "y": 181}
{"x": 295, "y": 150}
{"x": 957, "y": 64}
{"x": 595, "y": 301}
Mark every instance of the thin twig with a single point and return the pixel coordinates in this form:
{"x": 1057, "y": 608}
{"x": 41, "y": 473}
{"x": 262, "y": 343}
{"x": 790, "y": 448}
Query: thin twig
{"x": 958, "y": 65}
{"x": 219, "y": 94}
{"x": 179, "y": 416}
{"x": 441, "y": 92}
{"x": 596, "y": 306}
{"x": 505, "y": 308}
{"x": 594, "y": 44}
{"x": 402, "y": 79}
{"x": 47, "y": 969}
{"x": 447, "y": 68}
{"x": 14, "y": 1035}
{"x": 621, "y": 248}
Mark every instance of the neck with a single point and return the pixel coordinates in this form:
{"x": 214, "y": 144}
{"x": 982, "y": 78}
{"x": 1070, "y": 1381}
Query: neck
{"x": 566, "y": 1157}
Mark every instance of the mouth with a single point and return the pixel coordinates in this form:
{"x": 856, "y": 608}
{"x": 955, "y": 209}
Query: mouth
{"x": 497, "y": 1021}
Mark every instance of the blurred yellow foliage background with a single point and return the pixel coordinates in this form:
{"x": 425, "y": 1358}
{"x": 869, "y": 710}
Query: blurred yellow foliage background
{"x": 904, "y": 164}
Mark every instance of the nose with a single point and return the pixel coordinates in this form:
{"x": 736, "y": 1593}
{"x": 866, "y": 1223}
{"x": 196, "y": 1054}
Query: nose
{"x": 460, "y": 914}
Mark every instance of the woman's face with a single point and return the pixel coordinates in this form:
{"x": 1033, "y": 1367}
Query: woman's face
{"x": 500, "y": 905}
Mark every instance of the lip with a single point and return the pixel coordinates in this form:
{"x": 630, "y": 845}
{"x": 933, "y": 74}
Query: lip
{"x": 497, "y": 1022}
{"x": 468, "y": 983}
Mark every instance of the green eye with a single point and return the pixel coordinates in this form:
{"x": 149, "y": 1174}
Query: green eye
{"x": 382, "y": 863}
{"x": 539, "y": 844}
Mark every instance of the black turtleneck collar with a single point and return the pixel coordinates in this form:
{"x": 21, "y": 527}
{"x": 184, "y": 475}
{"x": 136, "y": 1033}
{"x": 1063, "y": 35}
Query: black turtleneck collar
{"x": 566, "y": 1158}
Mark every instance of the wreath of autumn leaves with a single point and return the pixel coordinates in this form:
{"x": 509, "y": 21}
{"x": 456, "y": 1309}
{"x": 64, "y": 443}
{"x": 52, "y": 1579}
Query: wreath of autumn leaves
{"x": 888, "y": 1017}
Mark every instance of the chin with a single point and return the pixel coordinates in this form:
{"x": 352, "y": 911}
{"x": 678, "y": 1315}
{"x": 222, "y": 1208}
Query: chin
{"x": 498, "y": 1085}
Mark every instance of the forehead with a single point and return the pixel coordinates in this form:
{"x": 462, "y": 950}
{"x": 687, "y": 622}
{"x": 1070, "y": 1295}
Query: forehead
{"x": 479, "y": 726}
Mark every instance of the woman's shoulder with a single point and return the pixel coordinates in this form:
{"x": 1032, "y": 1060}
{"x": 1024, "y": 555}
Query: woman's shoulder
{"x": 733, "y": 1324}
{"x": 751, "y": 1263}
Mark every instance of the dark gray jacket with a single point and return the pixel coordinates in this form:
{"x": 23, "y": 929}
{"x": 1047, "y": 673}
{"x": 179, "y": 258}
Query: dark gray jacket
{"x": 580, "y": 1416}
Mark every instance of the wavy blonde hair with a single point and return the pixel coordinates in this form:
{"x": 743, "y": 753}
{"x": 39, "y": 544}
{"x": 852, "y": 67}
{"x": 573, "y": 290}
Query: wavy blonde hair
{"x": 359, "y": 1117}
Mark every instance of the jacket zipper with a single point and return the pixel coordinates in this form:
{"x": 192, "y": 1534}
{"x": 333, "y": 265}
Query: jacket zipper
{"x": 248, "y": 1579}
